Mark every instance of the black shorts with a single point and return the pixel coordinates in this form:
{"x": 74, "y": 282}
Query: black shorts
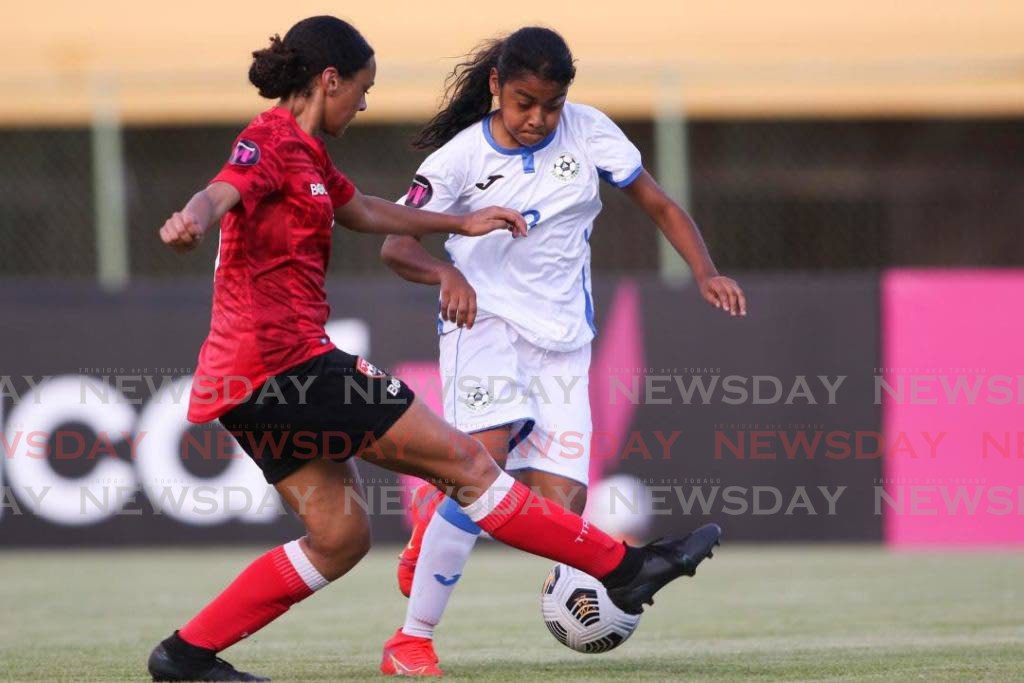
{"x": 328, "y": 407}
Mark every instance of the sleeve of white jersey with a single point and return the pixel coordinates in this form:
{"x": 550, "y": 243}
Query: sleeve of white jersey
{"x": 437, "y": 184}
{"x": 617, "y": 159}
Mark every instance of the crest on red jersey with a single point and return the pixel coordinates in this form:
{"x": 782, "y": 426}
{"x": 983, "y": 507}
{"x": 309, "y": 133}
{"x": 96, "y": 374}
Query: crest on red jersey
{"x": 245, "y": 153}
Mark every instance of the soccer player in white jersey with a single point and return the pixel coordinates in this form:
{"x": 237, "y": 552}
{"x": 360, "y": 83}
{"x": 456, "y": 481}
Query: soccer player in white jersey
{"x": 517, "y": 316}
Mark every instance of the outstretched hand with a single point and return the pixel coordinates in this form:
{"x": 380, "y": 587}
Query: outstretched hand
{"x": 725, "y": 293}
{"x": 493, "y": 218}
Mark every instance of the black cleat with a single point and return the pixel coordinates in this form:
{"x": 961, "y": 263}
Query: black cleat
{"x": 170, "y": 661}
{"x": 664, "y": 561}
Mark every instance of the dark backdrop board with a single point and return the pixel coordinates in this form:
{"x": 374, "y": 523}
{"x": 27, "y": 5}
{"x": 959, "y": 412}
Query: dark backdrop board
{"x": 799, "y": 325}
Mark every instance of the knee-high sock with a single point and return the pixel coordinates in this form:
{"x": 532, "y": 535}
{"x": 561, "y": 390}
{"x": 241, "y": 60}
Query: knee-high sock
{"x": 261, "y": 593}
{"x": 446, "y": 546}
{"x": 514, "y": 515}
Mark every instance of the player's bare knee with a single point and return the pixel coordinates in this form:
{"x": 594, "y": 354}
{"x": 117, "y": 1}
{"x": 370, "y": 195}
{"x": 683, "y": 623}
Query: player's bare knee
{"x": 477, "y": 464}
{"x": 340, "y": 545}
{"x": 472, "y": 470}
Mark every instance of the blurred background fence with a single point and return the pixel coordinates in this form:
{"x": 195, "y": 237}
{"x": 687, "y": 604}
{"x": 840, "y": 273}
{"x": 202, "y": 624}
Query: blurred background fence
{"x": 859, "y": 135}
{"x": 769, "y": 194}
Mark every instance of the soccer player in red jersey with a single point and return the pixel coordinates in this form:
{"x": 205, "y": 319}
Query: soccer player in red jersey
{"x": 269, "y": 373}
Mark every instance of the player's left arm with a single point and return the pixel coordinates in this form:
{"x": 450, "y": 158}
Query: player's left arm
{"x": 684, "y": 235}
{"x": 364, "y": 213}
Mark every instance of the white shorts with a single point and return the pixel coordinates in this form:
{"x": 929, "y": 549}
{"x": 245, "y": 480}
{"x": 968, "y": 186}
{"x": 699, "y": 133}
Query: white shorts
{"x": 492, "y": 377}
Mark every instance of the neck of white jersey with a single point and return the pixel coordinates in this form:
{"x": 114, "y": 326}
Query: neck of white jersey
{"x": 526, "y": 152}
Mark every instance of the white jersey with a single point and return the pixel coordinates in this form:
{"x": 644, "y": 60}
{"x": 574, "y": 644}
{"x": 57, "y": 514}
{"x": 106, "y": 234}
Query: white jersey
{"x": 540, "y": 284}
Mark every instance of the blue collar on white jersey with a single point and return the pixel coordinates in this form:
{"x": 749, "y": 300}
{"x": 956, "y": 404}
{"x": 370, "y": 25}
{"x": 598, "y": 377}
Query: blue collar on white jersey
{"x": 525, "y": 152}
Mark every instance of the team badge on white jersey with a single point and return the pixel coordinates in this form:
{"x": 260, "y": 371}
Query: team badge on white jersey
{"x": 565, "y": 167}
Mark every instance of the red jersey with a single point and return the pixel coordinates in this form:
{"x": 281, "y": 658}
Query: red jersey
{"x": 269, "y": 303}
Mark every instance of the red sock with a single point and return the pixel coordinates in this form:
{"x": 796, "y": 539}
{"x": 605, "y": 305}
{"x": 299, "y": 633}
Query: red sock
{"x": 261, "y": 593}
{"x": 542, "y": 527}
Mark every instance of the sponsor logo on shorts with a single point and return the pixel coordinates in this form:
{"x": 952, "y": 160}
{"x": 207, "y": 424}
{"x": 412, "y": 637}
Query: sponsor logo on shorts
{"x": 478, "y": 398}
{"x": 369, "y": 369}
{"x": 394, "y": 386}
{"x": 420, "y": 192}
{"x": 245, "y": 153}
{"x": 318, "y": 189}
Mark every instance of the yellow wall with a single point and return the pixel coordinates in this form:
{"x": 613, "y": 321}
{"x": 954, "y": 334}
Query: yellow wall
{"x": 186, "y": 60}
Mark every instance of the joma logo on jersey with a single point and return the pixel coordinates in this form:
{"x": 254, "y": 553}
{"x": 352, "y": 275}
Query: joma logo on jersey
{"x": 318, "y": 189}
{"x": 491, "y": 179}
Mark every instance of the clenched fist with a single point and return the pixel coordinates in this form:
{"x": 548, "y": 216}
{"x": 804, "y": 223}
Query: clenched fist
{"x": 181, "y": 231}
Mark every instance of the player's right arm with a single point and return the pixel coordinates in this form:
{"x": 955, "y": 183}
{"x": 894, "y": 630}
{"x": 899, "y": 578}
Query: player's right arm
{"x": 185, "y": 229}
{"x": 409, "y": 259}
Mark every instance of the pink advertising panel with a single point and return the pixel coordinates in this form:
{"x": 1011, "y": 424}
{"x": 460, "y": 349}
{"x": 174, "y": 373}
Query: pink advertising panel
{"x": 952, "y": 382}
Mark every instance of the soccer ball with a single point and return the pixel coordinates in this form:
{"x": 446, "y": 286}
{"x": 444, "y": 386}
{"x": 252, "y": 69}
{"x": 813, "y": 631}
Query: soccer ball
{"x": 579, "y": 614}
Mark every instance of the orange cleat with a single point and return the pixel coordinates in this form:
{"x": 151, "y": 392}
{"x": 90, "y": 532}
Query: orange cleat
{"x": 406, "y": 655}
{"x": 425, "y": 500}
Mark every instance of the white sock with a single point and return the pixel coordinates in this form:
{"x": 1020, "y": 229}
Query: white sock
{"x": 491, "y": 498}
{"x": 304, "y": 567}
{"x": 446, "y": 546}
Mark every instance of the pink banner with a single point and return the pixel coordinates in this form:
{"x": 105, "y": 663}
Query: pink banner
{"x": 953, "y": 378}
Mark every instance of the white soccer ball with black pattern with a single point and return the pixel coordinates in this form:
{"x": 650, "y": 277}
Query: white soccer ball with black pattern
{"x": 579, "y": 614}
{"x": 565, "y": 167}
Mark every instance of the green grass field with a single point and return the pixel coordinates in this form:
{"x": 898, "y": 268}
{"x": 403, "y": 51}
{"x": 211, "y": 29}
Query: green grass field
{"x": 752, "y": 613}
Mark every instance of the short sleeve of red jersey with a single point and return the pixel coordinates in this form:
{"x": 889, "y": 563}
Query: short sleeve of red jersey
{"x": 339, "y": 187}
{"x": 254, "y": 167}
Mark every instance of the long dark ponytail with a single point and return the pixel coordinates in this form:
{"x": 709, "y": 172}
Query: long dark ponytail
{"x": 530, "y": 50}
